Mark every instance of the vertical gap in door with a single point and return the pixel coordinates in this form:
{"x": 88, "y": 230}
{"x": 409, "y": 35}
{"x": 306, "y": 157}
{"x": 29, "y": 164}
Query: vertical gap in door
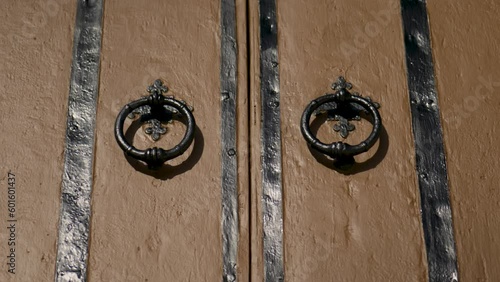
{"x": 249, "y": 138}
{"x": 249, "y": 132}
{"x": 253, "y": 139}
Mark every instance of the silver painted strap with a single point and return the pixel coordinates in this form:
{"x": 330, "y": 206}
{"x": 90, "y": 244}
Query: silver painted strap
{"x": 430, "y": 157}
{"x": 73, "y": 241}
{"x": 228, "y": 73}
{"x": 272, "y": 199}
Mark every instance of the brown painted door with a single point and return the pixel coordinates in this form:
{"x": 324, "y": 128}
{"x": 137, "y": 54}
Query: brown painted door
{"x": 363, "y": 225}
{"x": 164, "y": 225}
{"x": 360, "y": 225}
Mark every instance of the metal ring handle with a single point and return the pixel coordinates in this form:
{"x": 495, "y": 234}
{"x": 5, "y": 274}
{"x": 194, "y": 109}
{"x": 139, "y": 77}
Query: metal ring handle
{"x": 340, "y": 149}
{"x": 155, "y": 157}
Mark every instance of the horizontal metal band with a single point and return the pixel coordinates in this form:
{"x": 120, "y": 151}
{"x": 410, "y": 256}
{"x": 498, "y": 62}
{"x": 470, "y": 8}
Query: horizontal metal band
{"x": 430, "y": 157}
{"x": 73, "y": 241}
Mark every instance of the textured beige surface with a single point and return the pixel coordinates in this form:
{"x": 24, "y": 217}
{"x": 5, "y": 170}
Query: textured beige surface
{"x": 164, "y": 226}
{"x": 360, "y": 227}
{"x": 243, "y": 120}
{"x": 465, "y": 41}
{"x": 35, "y": 56}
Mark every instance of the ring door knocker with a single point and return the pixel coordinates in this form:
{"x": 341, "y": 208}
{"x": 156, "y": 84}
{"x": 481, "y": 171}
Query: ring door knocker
{"x": 155, "y": 109}
{"x": 342, "y": 106}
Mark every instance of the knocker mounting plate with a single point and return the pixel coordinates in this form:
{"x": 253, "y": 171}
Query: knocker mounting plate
{"x": 343, "y": 107}
{"x": 155, "y": 110}
{"x": 155, "y": 118}
{"x": 343, "y": 115}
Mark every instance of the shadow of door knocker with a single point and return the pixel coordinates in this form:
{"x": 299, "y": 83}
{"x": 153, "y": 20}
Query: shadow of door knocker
{"x": 342, "y": 106}
{"x": 156, "y": 109}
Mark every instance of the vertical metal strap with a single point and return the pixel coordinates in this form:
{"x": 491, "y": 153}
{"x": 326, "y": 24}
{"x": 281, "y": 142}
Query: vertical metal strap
{"x": 430, "y": 156}
{"x": 272, "y": 206}
{"x": 73, "y": 242}
{"x": 228, "y": 73}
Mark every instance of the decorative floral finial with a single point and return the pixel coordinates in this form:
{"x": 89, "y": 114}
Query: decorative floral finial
{"x": 155, "y": 118}
{"x": 343, "y": 126}
{"x": 347, "y": 112}
{"x": 341, "y": 83}
{"x": 157, "y": 87}
{"x": 155, "y": 129}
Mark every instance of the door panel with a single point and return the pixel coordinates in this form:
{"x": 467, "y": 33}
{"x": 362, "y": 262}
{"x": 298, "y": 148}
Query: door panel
{"x": 363, "y": 226}
{"x": 465, "y": 46}
{"x": 35, "y": 55}
{"x": 165, "y": 225}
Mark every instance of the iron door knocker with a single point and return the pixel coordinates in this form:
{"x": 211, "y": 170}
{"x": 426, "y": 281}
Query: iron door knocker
{"x": 155, "y": 109}
{"x": 342, "y": 106}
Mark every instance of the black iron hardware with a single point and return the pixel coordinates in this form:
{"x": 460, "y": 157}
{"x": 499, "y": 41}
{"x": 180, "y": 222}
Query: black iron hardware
{"x": 155, "y": 109}
{"x": 342, "y": 106}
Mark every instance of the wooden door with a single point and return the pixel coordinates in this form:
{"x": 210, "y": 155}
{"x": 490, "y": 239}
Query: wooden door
{"x": 165, "y": 225}
{"x": 363, "y": 225}
{"x": 249, "y": 200}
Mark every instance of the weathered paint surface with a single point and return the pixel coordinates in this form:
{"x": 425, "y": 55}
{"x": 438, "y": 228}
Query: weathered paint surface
{"x": 163, "y": 226}
{"x": 465, "y": 42}
{"x": 35, "y": 53}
